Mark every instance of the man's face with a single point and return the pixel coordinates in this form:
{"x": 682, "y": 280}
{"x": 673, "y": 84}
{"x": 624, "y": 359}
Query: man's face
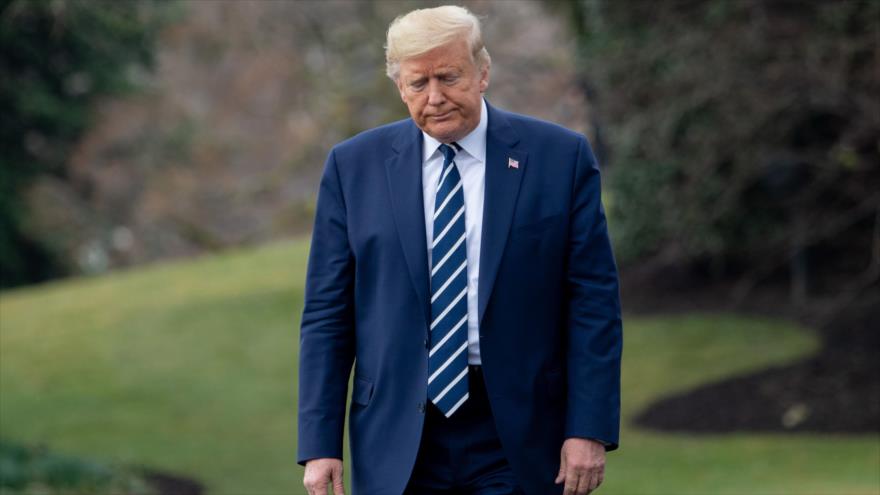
{"x": 443, "y": 90}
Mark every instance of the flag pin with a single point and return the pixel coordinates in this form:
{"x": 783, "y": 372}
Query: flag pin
{"x": 511, "y": 163}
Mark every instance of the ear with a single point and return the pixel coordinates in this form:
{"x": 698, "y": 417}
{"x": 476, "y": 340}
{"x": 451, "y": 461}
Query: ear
{"x": 484, "y": 78}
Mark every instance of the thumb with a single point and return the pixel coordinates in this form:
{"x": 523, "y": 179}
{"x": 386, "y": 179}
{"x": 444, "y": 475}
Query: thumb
{"x": 561, "y": 476}
{"x": 338, "y": 488}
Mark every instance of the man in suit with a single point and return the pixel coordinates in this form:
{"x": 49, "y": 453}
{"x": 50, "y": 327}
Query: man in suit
{"x": 460, "y": 261}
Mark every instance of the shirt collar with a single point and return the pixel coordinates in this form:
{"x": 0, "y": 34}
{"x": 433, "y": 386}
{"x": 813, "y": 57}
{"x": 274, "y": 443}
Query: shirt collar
{"x": 474, "y": 143}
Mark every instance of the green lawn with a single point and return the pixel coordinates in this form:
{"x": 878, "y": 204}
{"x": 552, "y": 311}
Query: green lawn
{"x": 191, "y": 367}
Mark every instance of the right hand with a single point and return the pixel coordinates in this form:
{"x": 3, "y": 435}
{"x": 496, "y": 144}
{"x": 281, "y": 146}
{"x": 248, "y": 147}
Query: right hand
{"x": 322, "y": 472}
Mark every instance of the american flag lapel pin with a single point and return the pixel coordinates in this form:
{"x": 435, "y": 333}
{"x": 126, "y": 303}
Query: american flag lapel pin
{"x": 511, "y": 163}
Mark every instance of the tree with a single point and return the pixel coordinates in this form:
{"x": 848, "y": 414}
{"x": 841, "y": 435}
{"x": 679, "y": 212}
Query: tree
{"x": 58, "y": 58}
{"x": 743, "y": 135}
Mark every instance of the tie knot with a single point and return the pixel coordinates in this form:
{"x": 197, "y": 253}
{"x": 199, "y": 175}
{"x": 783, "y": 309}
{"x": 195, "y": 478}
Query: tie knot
{"x": 448, "y": 152}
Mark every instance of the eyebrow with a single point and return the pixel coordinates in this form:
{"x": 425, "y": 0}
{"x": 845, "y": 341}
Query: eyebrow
{"x": 447, "y": 69}
{"x": 441, "y": 72}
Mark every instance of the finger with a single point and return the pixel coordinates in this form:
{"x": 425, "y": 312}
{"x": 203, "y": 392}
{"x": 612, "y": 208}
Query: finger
{"x": 583, "y": 485}
{"x": 571, "y": 482}
{"x": 315, "y": 489}
{"x": 560, "y": 477}
{"x": 320, "y": 487}
{"x": 594, "y": 480}
{"x": 597, "y": 480}
{"x": 338, "y": 487}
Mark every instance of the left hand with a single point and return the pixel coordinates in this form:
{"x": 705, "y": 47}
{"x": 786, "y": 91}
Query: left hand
{"x": 582, "y": 466}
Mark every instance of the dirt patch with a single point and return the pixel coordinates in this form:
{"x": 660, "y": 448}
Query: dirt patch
{"x": 836, "y": 390}
{"x": 817, "y": 395}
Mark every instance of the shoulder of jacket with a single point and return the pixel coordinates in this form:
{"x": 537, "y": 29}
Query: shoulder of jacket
{"x": 532, "y": 127}
{"x": 377, "y": 137}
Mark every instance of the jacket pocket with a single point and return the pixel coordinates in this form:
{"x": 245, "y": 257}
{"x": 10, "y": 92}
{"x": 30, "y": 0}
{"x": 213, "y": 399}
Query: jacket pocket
{"x": 362, "y": 391}
{"x": 535, "y": 228}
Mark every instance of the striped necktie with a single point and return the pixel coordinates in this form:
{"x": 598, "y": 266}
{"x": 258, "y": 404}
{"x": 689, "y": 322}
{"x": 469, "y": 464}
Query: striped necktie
{"x": 447, "y": 359}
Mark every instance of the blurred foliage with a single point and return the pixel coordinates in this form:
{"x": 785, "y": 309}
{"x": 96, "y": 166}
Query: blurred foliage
{"x": 25, "y": 470}
{"x": 56, "y": 59}
{"x": 743, "y": 135}
{"x": 226, "y": 146}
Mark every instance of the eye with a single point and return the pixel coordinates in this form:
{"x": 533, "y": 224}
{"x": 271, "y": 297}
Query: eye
{"x": 450, "y": 79}
{"x": 417, "y": 85}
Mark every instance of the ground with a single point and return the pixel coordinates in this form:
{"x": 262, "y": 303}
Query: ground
{"x": 836, "y": 390}
{"x": 190, "y": 368}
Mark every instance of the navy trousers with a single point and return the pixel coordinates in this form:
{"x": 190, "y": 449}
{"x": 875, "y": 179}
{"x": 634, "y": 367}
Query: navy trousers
{"x": 462, "y": 455}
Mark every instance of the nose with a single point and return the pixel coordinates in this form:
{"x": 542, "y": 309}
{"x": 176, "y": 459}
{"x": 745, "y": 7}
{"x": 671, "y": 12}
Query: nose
{"x": 435, "y": 93}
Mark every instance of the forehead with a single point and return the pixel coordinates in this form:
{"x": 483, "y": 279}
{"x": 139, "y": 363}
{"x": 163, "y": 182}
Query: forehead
{"x": 452, "y": 56}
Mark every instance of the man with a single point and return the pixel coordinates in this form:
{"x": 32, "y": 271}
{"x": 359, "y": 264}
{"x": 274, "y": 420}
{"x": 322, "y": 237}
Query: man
{"x": 460, "y": 259}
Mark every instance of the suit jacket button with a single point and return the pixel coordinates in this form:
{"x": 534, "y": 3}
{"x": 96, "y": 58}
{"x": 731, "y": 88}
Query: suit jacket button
{"x": 422, "y": 407}
{"x": 426, "y": 343}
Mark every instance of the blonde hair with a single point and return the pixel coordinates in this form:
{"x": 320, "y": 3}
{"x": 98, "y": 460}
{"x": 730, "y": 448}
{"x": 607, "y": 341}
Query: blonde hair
{"x": 422, "y": 30}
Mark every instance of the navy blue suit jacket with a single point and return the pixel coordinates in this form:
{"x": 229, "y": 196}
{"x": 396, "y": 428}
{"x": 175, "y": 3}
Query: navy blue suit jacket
{"x": 549, "y": 309}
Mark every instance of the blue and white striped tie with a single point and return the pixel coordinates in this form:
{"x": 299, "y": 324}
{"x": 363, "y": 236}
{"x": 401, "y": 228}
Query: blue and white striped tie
{"x": 447, "y": 359}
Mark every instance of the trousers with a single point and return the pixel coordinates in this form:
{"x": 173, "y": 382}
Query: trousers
{"x": 462, "y": 455}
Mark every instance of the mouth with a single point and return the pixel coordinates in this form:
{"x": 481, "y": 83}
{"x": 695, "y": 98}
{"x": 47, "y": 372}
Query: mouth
{"x": 442, "y": 116}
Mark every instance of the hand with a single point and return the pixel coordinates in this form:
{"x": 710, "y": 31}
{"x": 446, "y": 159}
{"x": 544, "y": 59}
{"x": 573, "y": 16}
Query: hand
{"x": 320, "y": 473}
{"x": 582, "y": 466}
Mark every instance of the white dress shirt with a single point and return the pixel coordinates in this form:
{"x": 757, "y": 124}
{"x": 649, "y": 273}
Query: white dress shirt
{"x": 471, "y": 163}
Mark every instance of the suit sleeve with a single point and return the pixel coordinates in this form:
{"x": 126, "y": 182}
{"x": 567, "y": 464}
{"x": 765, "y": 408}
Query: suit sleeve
{"x": 595, "y": 337}
{"x": 327, "y": 335}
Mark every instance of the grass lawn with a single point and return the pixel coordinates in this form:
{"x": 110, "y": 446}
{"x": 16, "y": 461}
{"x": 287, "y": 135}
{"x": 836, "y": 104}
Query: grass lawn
{"x": 191, "y": 367}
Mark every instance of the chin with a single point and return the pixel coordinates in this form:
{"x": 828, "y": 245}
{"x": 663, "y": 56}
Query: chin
{"x": 444, "y": 133}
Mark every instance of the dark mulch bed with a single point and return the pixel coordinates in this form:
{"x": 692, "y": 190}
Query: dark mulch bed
{"x": 821, "y": 394}
{"x": 169, "y": 484}
{"x": 836, "y": 390}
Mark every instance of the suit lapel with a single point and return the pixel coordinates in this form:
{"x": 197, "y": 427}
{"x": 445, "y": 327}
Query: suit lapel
{"x": 404, "y": 172}
{"x": 502, "y": 189}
